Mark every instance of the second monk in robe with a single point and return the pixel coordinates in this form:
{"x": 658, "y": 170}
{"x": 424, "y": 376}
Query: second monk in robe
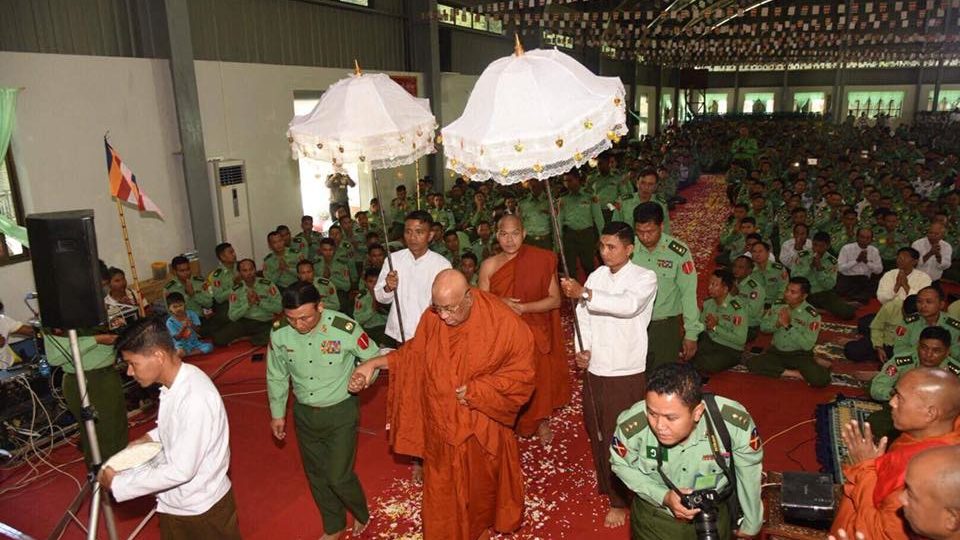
{"x": 525, "y": 278}
{"x": 454, "y": 393}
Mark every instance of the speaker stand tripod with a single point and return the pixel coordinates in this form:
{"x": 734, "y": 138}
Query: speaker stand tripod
{"x": 98, "y": 501}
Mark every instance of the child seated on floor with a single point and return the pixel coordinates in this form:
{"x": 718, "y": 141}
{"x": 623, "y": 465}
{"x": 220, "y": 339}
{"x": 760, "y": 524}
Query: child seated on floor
{"x": 182, "y": 325}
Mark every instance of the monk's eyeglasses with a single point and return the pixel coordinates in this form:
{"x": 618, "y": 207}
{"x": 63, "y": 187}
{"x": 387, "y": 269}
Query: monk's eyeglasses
{"x": 440, "y": 310}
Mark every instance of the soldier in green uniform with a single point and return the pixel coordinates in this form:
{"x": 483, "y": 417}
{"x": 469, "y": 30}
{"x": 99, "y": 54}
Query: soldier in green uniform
{"x": 399, "y": 207}
{"x": 104, "y": 387}
{"x": 671, "y": 260}
{"x": 760, "y": 212}
{"x": 725, "y": 320}
{"x": 328, "y": 293}
{"x": 890, "y": 238}
{"x": 317, "y": 352}
{"x": 820, "y": 269}
{"x": 482, "y": 247}
{"x": 795, "y": 325}
{"x": 193, "y": 288}
{"x": 329, "y": 267}
{"x": 372, "y": 315}
{"x": 607, "y": 185}
{"x": 440, "y": 214}
{"x": 646, "y": 192}
{"x": 580, "y": 220}
{"x": 929, "y": 313}
{"x": 676, "y": 434}
{"x": 219, "y": 284}
{"x": 933, "y": 350}
{"x": 736, "y": 245}
{"x": 535, "y": 212}
{"x": 751, "y": 293}
{"x": 307, "y": 239}
{"x": 457, "y": 203}
{"x": 846, "y": 232}
{"x": 454, "y": 248}
{"x": 280, "y": 265}
{"x": 253, "y": 304}
{"x": 772, "y": 275}
{"x": 345, "y": 251}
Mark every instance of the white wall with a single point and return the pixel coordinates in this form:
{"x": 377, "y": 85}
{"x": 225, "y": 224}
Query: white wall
{"x": 455, "y": 91}
{"x": 68, "y": 104}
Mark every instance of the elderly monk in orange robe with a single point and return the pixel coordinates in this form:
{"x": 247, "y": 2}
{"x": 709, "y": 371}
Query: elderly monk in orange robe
{"x": 924, "y": 406}
{"x": 453, "y": 397}
{"x": 525, "y": 278}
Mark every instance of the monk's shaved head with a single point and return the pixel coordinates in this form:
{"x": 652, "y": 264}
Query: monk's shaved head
{"x": 451, "y": 296}
{"x": 510, "y": 220}
{"x": 925, "y": 399}
{"x": 931, "y": 494}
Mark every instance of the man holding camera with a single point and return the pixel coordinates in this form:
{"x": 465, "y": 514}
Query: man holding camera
{"x": 694, "y": 460}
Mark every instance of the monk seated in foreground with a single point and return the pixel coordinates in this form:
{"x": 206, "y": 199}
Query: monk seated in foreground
{"x": 454, "y": 394}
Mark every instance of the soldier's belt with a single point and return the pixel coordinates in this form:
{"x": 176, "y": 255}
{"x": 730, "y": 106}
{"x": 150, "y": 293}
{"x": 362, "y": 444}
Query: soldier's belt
{"x": 667, "y": 318}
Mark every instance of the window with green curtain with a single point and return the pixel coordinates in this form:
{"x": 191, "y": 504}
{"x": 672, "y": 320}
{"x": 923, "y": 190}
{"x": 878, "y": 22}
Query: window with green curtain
{"x": 809, "y": 102}
{"x": 716, "y": 103}
{"x": 948, "y": 100}
{"x": 758, "y": 102}
{"x": 887, "y": 102}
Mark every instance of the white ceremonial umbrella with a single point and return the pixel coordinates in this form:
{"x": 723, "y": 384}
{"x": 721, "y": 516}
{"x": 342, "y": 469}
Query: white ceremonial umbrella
{"x": 366, "y": 119}
{"x": 536, "y": 114}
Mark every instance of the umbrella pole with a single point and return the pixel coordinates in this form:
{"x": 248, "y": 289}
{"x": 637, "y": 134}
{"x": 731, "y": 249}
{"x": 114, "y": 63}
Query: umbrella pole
{"x": 576, "y": 321}
{"x": 386, "y": 238}
{"x": 416, "y": 166}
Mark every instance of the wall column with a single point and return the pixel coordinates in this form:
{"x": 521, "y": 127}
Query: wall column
{"x": 423, "y": 38}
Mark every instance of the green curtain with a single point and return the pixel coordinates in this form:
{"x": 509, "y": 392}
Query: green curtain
{"x": 8, "y": 106}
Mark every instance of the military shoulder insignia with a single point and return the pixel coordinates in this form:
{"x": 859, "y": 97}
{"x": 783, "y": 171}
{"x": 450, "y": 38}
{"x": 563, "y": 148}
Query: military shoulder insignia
{"x": 953, "y": 367}
{"x": 268, "y": 257}
{"x": 323, "y": 281}
{"x": 913, "y": 317}
{"x": 752, "y": 283}
{"x": 170, "y": 284}
{"x": 735, "y": 416}
{"x": 735, "y": 304}
{"x": 903, "y": 360}
{"x": 633, "y": 425}
{"x": 217, "y": 272}
{"x": 677, "y": 247}
{"x": 831, "y": 259}
{"x": 238, "y": 286}
{"x": 776, "y": 265}
{"x": 953, "y": 322}
{"x": 803, "y": 253}
{"x": 343, "y": 323}
{"x": 197, "y": 279}
{"x": 812, "y": 311}
{"x": 264, "y": 281}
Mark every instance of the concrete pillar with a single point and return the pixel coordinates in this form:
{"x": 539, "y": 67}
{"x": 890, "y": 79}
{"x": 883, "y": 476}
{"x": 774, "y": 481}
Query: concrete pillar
{"x": 423, "y": 38}
{"x": 736, "y": 91}
{"x": 918, "y": 91}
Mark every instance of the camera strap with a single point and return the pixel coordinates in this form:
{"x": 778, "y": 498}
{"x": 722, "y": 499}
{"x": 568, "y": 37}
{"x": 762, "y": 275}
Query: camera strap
{"x": 717, "y": 427}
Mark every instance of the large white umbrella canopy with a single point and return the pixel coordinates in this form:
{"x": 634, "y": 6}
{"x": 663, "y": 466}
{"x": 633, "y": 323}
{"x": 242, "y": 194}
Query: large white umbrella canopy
{"x": 534, "y": 114}
{"x": 365, "y": 118}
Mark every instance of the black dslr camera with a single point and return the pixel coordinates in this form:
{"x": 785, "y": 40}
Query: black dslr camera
{"x": 705, "y": 522}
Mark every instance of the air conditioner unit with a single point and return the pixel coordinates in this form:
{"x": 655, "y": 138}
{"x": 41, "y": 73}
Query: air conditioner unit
{"x": 228, "y": 184}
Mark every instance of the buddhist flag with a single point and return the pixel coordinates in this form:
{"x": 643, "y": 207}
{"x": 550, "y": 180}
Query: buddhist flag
{"x": 123, "y": 183}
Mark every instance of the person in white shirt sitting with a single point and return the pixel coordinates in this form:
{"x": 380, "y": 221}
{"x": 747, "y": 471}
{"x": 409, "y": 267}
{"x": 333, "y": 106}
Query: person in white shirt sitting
{"x": 194, "y": 494}
{"x": 858, "y": 268}
{"x": 799, "y": 242}
{"x": 616, "y": 304}
{"x": 935, "y": 252}
{"x": 903, "y": 280}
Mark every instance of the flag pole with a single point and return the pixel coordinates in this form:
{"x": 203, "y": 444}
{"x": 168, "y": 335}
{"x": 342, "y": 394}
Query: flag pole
{"x": 133, "y": 263}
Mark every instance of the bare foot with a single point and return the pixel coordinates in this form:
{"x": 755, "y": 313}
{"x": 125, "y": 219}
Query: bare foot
{"x": 333, "y": 536}
{"x": 359, "y": 527}
{"x": 616, "y": 517}
{"x": 864, "y": 375}
{"x": 823, "y": 362}
{"x": 544, "y": 433}
{"x": 791, "y": 374}
{"x": 417, "y": 475}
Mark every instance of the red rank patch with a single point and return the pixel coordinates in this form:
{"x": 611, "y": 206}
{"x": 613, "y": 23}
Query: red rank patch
{"x": 233, "y": 297}
{"x": 755, "y": 440}
{"x": 688, "y": 267}
{"x": 273, "y": 291}
{"x": 737, "y": 320}
{"x": 891, "y": 371}
{"x": 814, "y": 325}
{"x": 216, "y": 283}
{"x": 901, "y": 330}
{"x": 363, "y": 341}
{"x": 618, "y": 447}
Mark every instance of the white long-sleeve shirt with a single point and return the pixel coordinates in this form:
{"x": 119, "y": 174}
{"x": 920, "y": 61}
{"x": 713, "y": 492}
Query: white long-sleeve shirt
{"x": 614, "y": 322}
{"x": 917, "y": 280}
{"x": 415, "y": 284}
{"x": 191, "y": 474}
{"x": 848, "y": 265}
{"x": 933, "y": 268}
{"x": 788, "y": 251}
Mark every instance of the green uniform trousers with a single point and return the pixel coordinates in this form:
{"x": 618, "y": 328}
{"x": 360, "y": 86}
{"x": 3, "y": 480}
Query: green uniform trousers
{"x": 580, "y": 246}
{"x": 664, "y": 341}
{"x": 219, "y": 319}
{"x": 713, "y": 357}
{"x": 257, "y": 331}
{"x": 831, "y": 301}
{"x": 773, "y": 362}
{"x": 545, "y": 241}
{"x": 650, "y": 523}
{"x": 327, "y": 437}
{"x": 752, "y": 333}
{"x": 105, "y": 390}
{"x": 220, "y": 522}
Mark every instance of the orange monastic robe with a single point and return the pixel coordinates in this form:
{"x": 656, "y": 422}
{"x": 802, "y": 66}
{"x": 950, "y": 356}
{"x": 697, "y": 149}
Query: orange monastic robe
{"x": 871, "y": 494}
{"x": 528, "y": 276}
{"x": 471, "y": 461}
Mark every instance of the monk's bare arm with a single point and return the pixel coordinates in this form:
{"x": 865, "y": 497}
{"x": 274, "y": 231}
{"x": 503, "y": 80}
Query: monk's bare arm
{"x": 547, "y": 303}
{"x": 487, "y": 268}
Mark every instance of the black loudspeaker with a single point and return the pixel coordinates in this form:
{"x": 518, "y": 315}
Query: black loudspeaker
{"x": 63, "y": 250}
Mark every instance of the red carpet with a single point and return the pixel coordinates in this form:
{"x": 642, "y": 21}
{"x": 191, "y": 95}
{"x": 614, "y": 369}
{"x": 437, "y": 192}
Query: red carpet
{"x": 274, "y": 500}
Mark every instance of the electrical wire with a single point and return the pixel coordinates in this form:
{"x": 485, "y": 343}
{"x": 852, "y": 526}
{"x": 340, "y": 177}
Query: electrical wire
{"x": 798, "y": 424}
{"x": 244, "y": 393}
